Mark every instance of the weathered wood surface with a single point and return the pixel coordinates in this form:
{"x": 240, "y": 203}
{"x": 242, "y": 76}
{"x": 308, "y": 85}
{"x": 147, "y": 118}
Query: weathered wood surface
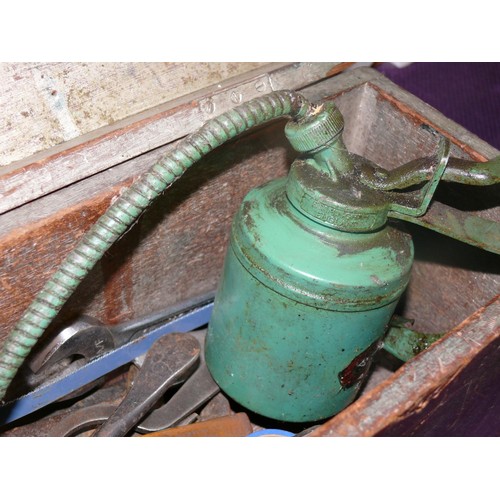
{"x": 89, "y": 153}
{"x": 176, "y": 249}
{"x": 449, "y": 390}
{"x": 45, "y": 104}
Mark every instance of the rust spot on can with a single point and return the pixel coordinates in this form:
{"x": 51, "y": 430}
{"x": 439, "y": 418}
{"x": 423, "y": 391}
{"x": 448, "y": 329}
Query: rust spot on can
{"x": 358, "y": 368}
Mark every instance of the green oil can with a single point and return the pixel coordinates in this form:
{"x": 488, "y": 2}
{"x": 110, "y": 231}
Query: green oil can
{"x": 311, "y": 279}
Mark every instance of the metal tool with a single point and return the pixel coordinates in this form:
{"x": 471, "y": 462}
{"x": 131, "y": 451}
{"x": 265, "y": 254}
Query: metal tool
{"x": 218, "y": 406}
{"x": 63, "y": 385}
{"x": 170, "y": 358}
{"x": 197, "y": 390}
{"x": 83, "y": 419}
{"x": 91, "y": 417}
{"x": 87, "y": 338}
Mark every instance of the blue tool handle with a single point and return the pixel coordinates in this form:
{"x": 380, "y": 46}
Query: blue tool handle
{"x": 44, "y": 395}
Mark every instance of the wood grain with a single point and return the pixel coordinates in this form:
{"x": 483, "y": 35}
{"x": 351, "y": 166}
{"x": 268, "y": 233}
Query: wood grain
{"x": 89, "y": 153}
{"x": 175, "y": 251}
{"x": 45, "y": 104}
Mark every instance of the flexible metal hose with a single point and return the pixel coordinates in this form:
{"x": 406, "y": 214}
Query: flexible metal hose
{"x": 126, "y": 209}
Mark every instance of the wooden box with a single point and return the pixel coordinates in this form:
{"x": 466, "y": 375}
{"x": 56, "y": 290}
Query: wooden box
{"x": 176, "y": 249}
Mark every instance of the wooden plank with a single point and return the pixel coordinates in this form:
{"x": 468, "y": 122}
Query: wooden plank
{"x": 98, "y": 150}
{"x": 45, "y": 104}
{"x": 433, "y": 394}
{"x": 467, "y": 405}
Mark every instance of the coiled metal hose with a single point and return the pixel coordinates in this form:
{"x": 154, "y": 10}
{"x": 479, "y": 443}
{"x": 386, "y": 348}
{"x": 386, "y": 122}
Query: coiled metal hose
{"x": 126, "y": 209}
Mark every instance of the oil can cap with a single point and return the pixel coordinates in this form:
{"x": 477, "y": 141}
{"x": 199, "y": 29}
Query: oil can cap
{"x": 316, "y": 130}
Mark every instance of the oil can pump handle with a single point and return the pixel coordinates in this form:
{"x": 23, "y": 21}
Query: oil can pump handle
{"x": 420, "y": 170}
{"x": 463, "y": 226}
{"x": 459, "y": 225}
{"x": 416, "y": 205}
{"x": 473, "y": 173}
{"x": 348, "y": 192}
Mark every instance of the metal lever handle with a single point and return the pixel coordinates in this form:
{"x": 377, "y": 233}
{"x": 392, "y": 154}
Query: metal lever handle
{"x": 462, "y": 226}
{"x": 473, "y": 173}
{"x": 422, "y": 169}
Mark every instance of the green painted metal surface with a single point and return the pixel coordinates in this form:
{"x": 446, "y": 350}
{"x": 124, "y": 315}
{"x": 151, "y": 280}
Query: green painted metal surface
{"x": 311, "y": 279}
{"x": 301, "y": 309}
{"x": 404, "y": 342}
{"x": 315, "y": 270}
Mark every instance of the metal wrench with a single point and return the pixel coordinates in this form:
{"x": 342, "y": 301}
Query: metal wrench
{"x": 55, "y": 389}
{"x": 87, "y": 338}
{"x": 197, "y": 390}
{"x": 89, "y": 418}
{"x": 170, "y": 358}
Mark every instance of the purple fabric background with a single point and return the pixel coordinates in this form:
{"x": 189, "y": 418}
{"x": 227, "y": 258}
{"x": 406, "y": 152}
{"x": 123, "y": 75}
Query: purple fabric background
{"x": 467, "y": 93}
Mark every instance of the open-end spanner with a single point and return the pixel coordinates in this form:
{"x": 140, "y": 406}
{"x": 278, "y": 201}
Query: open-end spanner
{"x": 60, "y": 386}
{"x": 89, "y": 418}
{"x": 87, "y": 338}
{"x": 168, "y": 360}
{"x": 199, "y": 388}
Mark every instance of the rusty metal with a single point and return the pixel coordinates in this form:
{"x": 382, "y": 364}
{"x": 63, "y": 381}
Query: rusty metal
{"x": 61, "y": 422}
{"x": 77, "y": 421}
{"x": 169, "y": 359}
{"x": 358, "y": 368}
{"x": 84, "y": 419}
{"x": 218, "y": 406}
{"x": 237, "y": 425}
{"x": 87, "y": 419}
{"x": 196, "y": 391}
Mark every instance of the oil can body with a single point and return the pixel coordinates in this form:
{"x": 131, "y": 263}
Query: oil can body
{"x": 301, "y": 308}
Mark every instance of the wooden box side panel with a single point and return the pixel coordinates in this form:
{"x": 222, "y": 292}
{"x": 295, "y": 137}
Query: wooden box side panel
{"x": 451, "y": 389}
{"x": 174, "y": 252}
